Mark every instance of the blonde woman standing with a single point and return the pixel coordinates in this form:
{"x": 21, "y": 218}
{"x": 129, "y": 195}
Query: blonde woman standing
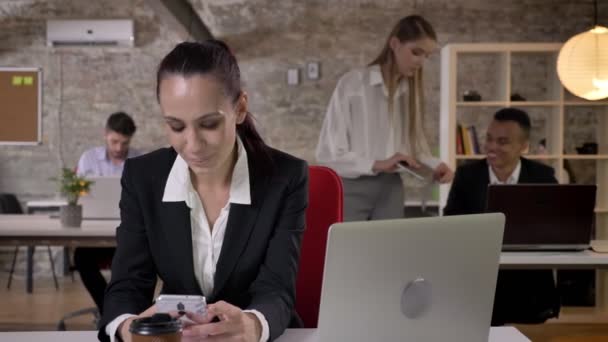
{"x": 374, "y": 122}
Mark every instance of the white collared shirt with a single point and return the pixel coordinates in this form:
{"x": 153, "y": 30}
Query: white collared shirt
{"x": 95, "y": 162}
{"x": 358, "y": 128}
{"x": 513, "y": 178}
{"x": 206, "y": 243}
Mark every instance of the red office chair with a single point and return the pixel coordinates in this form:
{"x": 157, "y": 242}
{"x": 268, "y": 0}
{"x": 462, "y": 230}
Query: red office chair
{"x": 325, "y": 206}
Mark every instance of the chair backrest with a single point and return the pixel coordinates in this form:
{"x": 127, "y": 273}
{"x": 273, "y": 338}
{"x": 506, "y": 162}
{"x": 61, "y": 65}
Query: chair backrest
{"x": 325, "y": 207}
{"x": 9, "y": 204}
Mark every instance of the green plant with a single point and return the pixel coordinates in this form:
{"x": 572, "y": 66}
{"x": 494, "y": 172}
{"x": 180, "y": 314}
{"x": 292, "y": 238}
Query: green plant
{"x": 72, "y": 186}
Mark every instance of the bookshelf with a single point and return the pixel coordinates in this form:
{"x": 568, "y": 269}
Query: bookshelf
{"x": 499, "y": 70}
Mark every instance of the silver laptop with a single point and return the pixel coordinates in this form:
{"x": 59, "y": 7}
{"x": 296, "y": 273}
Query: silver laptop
{"x": 101, "y": 203}
{"x": 420, "y": 280}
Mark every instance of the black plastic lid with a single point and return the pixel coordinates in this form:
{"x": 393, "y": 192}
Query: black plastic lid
{"x": 158, "y": 324}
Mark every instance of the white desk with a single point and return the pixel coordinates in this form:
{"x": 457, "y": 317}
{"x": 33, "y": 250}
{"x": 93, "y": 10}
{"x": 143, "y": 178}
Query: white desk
{"x": 40, "y": 230}
{"x": 43, "y": 230}
{"x": 32, "y": 230}
{"x": 557, "y": 259}
{"x": 502, "y": 334}
{"x": 44, "y": 204}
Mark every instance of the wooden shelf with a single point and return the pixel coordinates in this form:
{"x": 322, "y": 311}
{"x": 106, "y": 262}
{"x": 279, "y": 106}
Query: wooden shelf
{"x": 586, "y": 156}
{"x": 533, "y": 103}
{"x": 601, "y": 210}
{"x": 541, "y": 156}
{"x": 586, "y": 103}
{"x": 482, "y": 103}
{"x": 529, "y": 156}
{"x": 507, "y": 103}
{"x": 470, "y": 156}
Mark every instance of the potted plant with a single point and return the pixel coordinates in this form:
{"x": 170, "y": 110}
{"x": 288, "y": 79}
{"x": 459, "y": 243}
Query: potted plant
{"x": 72, "y": 187}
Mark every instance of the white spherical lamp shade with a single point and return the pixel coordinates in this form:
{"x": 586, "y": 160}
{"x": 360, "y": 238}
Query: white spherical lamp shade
{"x": 582, "y": 64}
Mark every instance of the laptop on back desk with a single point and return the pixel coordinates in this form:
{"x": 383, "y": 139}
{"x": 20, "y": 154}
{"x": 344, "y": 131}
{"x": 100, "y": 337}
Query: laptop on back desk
{"x": 544, "y": 216}
{"x": 101, "y": 203}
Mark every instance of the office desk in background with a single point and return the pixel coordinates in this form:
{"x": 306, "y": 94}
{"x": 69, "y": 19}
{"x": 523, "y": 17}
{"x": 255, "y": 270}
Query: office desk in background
{"x": 41, "y": 230}
{"x": 43, "y": 206}
{"x": 33, "y": 230}
{"x": 44, "y": 230}
{"x": 554, "y": 259}
{"x": 502, "y": 334}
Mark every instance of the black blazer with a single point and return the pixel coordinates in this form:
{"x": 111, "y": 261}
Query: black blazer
{"x": 258, "y": 262}
{"x": 522, "y": 296}
{"x": 470, "y": 186}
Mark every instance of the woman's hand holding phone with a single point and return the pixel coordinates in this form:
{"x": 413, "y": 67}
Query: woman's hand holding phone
{"x": 392, "y": 164}
{"x": 223, "y": 322}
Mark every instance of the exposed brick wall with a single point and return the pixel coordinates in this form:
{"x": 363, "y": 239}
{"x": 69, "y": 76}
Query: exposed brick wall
{"x": 268, "y": 37}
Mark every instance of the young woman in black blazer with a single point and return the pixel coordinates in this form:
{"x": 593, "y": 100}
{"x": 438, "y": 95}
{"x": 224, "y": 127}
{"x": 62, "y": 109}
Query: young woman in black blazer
{"x": 218, "y": 214}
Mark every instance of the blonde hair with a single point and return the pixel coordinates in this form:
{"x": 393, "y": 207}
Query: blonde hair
{"x": 409, "y": 28}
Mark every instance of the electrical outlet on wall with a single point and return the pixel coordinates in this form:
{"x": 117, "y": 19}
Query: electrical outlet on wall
{"x": 312, "y": 70}
{"x": 293, "y": 76}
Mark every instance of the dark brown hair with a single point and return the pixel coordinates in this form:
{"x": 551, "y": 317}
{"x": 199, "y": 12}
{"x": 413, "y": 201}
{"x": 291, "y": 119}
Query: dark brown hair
{"x": 121, "y": 122}
{"x": 213, "y": 57}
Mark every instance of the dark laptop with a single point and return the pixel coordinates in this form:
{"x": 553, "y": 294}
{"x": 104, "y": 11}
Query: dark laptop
{"x": 544, "y": 216}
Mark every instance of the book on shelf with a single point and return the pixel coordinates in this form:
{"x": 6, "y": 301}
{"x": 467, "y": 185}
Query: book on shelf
{"x": 466, "y": 140}
{"x": 473, "y": 134}
{"x": 459, "y": 142}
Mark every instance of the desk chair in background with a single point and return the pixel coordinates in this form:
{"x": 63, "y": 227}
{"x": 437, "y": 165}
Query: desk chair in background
{"x": 10, "y": 205}
{"x": 325, "y": 207}
{"x": 92, "y": 310}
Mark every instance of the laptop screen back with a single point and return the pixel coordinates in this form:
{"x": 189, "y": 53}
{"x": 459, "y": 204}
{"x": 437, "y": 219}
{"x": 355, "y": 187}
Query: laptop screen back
{"x": 544, "y": 216}
{"x": 399, "y": 280}
{"x": 102, "y": 200}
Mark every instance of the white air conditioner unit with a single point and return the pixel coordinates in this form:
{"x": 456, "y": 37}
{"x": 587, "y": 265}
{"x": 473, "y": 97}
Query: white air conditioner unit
{"x": 118, "y": 32}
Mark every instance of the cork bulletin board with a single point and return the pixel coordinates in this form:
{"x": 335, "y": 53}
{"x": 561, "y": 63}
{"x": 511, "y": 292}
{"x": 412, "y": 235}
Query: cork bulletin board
{"x": 20, "y": 106}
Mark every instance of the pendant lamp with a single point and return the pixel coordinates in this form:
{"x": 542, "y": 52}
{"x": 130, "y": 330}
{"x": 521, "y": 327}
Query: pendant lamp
{"x": 582, "y": 63}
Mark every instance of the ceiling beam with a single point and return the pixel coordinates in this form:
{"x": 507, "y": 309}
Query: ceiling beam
{"x": 182, "y": 17}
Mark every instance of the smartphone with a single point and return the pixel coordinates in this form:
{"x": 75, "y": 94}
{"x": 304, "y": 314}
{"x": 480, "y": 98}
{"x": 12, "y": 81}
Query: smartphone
{"x": 424, "y": 173}
{"x": 192, "y": 303}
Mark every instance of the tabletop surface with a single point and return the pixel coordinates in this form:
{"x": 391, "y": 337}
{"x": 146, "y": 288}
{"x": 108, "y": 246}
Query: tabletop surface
{"x": 500, "y": 334}
{"x": 43, "y": 225}
{"x": 15, "y": 226}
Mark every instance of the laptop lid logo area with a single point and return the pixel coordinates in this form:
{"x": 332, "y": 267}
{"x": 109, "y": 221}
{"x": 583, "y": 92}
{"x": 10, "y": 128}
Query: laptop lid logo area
{"x": 416, "y": 298}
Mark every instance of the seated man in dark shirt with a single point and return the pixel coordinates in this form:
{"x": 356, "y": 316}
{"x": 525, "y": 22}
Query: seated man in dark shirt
{"x": 522, "y": 296}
